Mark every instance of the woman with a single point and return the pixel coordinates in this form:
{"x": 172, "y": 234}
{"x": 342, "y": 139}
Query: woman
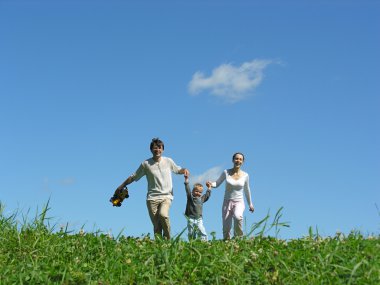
{"x": 237, "y": 183}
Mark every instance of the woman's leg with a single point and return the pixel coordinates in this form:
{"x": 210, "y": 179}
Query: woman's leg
{"x": 238, "y": 211}
{"x": 227, "y": 219}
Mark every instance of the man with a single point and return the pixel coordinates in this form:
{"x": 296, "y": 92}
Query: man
{"x": 158, "y": 171}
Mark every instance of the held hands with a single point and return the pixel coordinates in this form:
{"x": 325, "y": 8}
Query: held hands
{"x": 186, "y": 173}
{"x": 209, "y": 184}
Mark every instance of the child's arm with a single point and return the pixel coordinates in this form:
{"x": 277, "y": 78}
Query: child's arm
{"x": 207, "y": 195}
{"x": 187, "y": 187}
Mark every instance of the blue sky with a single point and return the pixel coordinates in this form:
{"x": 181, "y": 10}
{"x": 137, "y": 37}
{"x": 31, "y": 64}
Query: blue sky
{"x": 294, "y": 85}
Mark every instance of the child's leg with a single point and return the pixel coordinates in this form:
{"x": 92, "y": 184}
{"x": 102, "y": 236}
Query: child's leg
{"x": 201, "y": 230}
{"x": 227, "y": 218}
{"x": 191, "y": 229}
{"x": 239, "y": 207}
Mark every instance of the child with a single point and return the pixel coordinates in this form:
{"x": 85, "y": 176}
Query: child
{"x": 194, "y": 207}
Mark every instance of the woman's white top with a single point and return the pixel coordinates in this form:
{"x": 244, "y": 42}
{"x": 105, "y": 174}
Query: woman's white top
{"x": 235, "y": 188}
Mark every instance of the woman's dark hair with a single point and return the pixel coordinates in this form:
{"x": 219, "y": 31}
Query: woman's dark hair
{"x": 157, "y": 142}
{"x": 236, "y": 153}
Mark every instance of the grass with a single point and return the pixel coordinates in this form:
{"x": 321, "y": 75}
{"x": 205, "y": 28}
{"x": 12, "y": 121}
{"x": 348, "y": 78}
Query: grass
{"x": 33, "y": 252}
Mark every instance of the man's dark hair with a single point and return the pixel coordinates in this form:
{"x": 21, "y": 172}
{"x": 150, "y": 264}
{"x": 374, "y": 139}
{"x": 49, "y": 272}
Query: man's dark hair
{"x": 157, "y": 142}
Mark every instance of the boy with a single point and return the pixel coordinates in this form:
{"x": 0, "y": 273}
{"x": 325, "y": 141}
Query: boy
{"x": 194, "y": 208}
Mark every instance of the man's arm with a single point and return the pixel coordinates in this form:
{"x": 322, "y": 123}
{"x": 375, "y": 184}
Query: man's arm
{"x": 128, "y": 181}
{"x": 184, "y": 171}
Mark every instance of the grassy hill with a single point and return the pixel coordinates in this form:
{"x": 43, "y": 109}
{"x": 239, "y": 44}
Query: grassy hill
{"x": 34, "y": 253}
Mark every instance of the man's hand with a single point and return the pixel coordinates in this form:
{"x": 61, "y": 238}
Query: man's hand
{"x": 186, "y": 172}
{"x": 119, "y": 195}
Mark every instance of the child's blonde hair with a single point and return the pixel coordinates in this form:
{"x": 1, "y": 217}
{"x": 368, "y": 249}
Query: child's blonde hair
{"x": 197, "y": 186}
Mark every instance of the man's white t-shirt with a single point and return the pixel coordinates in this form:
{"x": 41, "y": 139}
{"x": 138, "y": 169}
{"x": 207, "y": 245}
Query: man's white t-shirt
{"x": 159, "y": 177}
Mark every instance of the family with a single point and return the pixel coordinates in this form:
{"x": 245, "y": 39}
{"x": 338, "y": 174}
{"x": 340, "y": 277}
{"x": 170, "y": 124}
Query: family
{"x": 158, "y": 172}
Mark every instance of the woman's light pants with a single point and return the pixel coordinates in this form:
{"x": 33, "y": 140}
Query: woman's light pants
{"x": 232, "y": 209}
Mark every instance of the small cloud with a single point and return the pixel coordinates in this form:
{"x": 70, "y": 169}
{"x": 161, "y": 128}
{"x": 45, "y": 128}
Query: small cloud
{"x": 46, "y": 183}
{"x": 231, "y": 83}
{"x": 67, "y": 181}
{"x": 49, "y": 185}
{"x": 210, "y": 175}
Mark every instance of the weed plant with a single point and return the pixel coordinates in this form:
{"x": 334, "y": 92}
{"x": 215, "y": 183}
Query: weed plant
{"x": 34, "y": 253}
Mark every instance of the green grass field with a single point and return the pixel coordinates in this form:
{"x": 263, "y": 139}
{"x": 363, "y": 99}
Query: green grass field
{"x": 35, "y": 253}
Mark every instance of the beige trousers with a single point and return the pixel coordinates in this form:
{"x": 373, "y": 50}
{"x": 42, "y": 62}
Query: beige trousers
{"x": 159, "y": 215}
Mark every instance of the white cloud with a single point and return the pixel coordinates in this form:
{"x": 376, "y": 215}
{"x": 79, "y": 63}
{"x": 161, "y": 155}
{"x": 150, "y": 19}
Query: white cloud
{"x": 229, "y": 82}
{"x": 210, "y": 175}
{"x": 49, "y": 185}
{"x": 68, "y": 181}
